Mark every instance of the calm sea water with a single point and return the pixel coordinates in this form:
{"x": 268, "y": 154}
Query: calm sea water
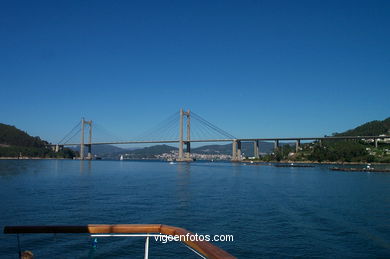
{"x": 272, "y": 212}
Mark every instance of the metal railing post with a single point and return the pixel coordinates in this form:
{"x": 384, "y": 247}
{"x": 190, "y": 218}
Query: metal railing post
{"x": 147, "y": 248}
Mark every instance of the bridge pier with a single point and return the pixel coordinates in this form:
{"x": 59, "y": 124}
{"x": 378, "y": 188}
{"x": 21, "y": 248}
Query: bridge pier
{"x": 256, "y": 151}
{"x": 188, "y": 150}
{"x": 89, "y": 154}
{"x": 236, "y": 151}
{"x": 376, "y": 143}
{"x": 239, "y": 150}
{"x": 276, "y": 145}
{"x": 297, "y": 145}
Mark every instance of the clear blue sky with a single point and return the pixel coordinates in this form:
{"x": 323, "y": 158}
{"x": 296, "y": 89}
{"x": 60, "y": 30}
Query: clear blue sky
{"x": 254, "y": 68}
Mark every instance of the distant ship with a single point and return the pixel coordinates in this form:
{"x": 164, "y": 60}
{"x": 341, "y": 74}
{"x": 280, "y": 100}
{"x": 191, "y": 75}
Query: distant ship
{"x": 121, "y": 158}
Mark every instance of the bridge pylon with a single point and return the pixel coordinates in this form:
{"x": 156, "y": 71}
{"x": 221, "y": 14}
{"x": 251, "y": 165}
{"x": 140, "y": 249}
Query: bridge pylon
{"x": 89, "y": 145}
{"x": 185, "y": 156}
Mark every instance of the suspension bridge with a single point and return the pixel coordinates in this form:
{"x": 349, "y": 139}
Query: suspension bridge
{"x": 205, "y": 132}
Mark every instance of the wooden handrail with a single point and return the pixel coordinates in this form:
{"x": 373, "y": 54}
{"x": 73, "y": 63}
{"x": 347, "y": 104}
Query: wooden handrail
{"x": 203, "y": 247}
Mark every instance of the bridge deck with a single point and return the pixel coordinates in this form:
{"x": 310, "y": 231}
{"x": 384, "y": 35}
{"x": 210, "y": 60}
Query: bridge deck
{"x": 231, "y": 140}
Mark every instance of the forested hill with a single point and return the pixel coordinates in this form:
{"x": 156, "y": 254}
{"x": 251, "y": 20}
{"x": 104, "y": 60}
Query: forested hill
{"x": 372, "y": 128}
{"x": 15, "y": 143}
{"x": 362, "y": 151}
{"x": 12, "y": 136}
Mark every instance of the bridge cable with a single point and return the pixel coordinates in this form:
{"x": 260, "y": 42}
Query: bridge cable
{"x": 203, "y": 131}
{"x": 99, "y": 128}
{"x": 72, "y": 136}
{"x": 172, "y": 130}
{"x": 159, "y": 128}
{"x": 70, "y": 132}
{"x": 149, "y": 134}
{"x": 168, "y": 129}
{"x": 212, "y": 126}
{"x": 215, "y": 128}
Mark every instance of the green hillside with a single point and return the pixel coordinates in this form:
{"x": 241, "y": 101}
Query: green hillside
{"x": 372, "y": 128}
{"x": 10, "y": 135}
{"x": 343, "y": 150}
{"x": 15, "y": 143}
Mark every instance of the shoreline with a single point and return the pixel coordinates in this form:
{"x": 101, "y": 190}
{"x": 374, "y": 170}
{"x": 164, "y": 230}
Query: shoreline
{"x": 33, "y": 158}
{"x": 314, "y": 162}
{"x": 242, "y": 161}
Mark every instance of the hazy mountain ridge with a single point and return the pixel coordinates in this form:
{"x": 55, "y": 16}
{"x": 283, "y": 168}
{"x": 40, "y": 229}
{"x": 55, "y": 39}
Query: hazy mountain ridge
{"x": 226, "y": 149}
{"x": 103, "y": 150}
{"x": 152, "y": 151}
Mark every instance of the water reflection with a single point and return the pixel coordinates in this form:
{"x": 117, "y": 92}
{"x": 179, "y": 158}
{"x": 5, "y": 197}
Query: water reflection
{"x": 310, "y": 211}
{"x": 85, "y": 166}
{"x": 237, "y": 168}
{"x": 184, "y": 167}
{"x": 183, "y": 182}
